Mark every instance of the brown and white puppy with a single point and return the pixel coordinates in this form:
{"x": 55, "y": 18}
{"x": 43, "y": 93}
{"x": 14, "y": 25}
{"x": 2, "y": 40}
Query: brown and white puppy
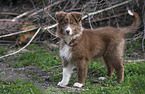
{"x": 78, "y": 46}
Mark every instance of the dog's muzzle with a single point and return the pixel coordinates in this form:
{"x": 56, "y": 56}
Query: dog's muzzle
{"x": 68, "y": 31}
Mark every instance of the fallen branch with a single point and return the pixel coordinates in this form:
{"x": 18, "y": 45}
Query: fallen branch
{"x": 7, "y": 20}
{"x": 6, "y": 41}
{"x": 106, "y": 9}
{"x": 90, "y": 22}
{"x": 24, "y": 46}
{"x": 139, "y": 60}
{"x": 25, "y": 13}
{"x": 109, "y": 17}
{"x": 18, "y": 32}
{"x": 46, "y": 8}
{"x": 51, "y": 33}
{"x": 8, "y": 13}
{"x": 49, "y": 27}
{"x": 19, "y": 16}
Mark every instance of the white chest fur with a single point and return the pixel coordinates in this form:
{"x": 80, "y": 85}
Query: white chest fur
{"x": 65, "y": 52}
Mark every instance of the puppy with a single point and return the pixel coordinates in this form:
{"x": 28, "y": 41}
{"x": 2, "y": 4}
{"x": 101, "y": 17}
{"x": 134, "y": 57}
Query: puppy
{"x": 78, "y": 46}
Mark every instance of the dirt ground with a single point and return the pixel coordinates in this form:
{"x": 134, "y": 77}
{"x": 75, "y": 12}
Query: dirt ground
{"x": 25, "y": 73}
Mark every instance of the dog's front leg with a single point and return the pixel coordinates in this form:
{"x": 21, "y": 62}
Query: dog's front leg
{"x": 67, "y": 70}
{"x": 81, "y": 72}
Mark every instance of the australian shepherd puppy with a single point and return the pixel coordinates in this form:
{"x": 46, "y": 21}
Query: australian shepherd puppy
{"x": 78, "y": 46}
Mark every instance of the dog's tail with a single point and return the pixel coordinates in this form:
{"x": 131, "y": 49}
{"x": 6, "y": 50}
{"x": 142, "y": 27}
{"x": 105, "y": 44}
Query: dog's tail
{"x": 134, "y": 26}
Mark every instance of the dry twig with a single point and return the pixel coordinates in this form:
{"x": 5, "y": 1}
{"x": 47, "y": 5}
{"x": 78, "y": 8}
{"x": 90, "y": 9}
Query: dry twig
{"x": 8, "y": 13}
{"x": 139, "y": 60}
{"x": 46, "y": 8}
{"x": 17, "y": 32}
{"x": 89, "y": 14}
{"x": 24, "y": 46}
{"x": 8, "y": 20}
{"x": 90, "y": 22}
{"x": 19, "y": 16}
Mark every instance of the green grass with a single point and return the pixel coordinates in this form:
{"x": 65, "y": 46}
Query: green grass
{"x": 19, "y": 87}
{"x": 45, "y": 59}
{"x": 134, "y": 82}
{"x": 37, "y": 56}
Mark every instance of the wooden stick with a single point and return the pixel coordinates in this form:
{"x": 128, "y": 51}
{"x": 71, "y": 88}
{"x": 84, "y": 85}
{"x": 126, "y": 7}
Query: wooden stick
{"x": 139, "y": 60}
{"x": 8, "y": 13}
{"x": 18, "y": 32}
{"x": 106, "y": 9}
{"x": 24, "y": 46}
{"x": 51, "y": 33}
{"x": 108, "y": 17}
{"x": 49, "y": 27}
{"x": 19, "y": 16}
{"x": 46, "y": 8}
{"x": 8, "y": 20}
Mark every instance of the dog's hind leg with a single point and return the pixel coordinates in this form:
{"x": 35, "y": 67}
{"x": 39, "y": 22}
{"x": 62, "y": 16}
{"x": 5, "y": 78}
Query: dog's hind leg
{"x": 118, "y": 66}
{"x": 81, "y": 65}
{"x": 110, "y": 68}
{"x": 115, "y": 62}
{"x": 67, "y": 70}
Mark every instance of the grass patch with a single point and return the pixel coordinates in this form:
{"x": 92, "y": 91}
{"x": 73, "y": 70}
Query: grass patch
{"x": 45, "y": 59}
{"x": 134, "y": 82}
{"x": 37, "y": 56}
{"x": 53, "y": 90}
{"x": 19, "y": 87}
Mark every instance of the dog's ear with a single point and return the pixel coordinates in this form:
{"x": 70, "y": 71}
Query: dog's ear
{"x": 60, "y": 15}
{"x": 77, "y": 16}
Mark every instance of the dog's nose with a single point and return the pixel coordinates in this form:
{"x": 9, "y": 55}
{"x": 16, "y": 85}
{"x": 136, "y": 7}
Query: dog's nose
{"x": 67, "y": 31}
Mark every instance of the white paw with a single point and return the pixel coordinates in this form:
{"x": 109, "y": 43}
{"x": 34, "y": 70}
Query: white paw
{"x": 101, "y": 78}
{"x": 62, "y": 83}
{"x": 78, "y": 85}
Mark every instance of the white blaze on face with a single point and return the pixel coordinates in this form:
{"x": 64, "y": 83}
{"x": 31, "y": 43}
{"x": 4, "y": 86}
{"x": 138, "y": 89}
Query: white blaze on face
{"x": 68, "y": 30}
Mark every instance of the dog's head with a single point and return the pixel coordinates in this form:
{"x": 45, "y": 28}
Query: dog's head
{"x": 69, "y": 25}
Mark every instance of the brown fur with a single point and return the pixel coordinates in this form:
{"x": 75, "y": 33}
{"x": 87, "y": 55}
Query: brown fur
{"x": 107, "y": 42}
